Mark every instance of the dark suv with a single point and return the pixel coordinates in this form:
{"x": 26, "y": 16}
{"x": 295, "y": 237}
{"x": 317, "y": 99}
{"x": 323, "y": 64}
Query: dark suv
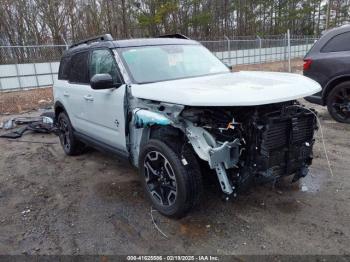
{"x": 328, "y": 63}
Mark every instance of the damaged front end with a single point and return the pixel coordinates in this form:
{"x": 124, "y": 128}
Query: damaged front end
{"x": 242, "y": 144}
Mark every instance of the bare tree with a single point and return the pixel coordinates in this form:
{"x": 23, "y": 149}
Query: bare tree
{"x": 49, "y": 21}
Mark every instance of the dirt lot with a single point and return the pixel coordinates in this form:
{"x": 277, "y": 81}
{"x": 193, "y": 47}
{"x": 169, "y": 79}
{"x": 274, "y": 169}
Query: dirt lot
{"x": 93, "y": 204}
{"x": 281, "y": 66}
{"x": 25, "y": 100}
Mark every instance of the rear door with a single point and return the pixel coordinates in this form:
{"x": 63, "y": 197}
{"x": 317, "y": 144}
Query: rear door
{"x": 105, "y": 112}
{"x": 78, "y": 87}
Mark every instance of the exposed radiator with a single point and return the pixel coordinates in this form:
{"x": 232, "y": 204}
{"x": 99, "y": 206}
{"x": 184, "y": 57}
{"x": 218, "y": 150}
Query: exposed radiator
{"x": 285, "y": 141}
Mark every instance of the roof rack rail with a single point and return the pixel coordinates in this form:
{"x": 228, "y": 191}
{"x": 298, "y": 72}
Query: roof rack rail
{"x": 174, "y": 36}
{"x": 105, "y": 37}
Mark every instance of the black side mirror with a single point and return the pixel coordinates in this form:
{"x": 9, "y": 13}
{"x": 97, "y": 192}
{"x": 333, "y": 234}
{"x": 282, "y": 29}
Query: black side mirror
{"x": 102, "y": 81}
{"x": 230, "y": 67}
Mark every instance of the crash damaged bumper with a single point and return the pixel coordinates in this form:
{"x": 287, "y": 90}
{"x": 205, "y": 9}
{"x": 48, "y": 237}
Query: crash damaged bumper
{"x": 219, "y": 156}
{"x": 259, "y": 143}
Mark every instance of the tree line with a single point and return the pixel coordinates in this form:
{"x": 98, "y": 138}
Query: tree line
{"x": 25, "y": 22}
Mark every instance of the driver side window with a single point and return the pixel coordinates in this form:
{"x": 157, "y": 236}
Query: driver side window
{"x": 102, "y": 62}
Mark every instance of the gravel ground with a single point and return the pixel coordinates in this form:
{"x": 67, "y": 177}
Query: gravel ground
{"x": 93, "y": 204}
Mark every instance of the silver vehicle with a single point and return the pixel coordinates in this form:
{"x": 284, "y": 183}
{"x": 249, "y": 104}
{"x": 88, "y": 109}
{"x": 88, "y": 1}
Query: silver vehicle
{"x": 177, "y": 113}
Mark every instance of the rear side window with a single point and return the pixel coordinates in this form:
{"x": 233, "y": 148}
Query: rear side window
{"x": 63, "y": 72}
{"x": 338, "y": 43}
{"x": 79, "y": 72}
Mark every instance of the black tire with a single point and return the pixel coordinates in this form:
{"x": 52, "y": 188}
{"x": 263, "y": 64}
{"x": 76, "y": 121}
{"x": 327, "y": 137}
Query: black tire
{"x": 186, "y": 173}
{"x": 70, "y": 144}
{"x": 338, "y": 102}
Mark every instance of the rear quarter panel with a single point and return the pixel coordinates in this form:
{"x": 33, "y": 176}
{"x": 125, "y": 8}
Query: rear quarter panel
{"x": 326, "y": 66}
{"x": 59, "y": 88}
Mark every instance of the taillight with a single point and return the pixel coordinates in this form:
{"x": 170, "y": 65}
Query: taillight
{"x": 307, "y": 64}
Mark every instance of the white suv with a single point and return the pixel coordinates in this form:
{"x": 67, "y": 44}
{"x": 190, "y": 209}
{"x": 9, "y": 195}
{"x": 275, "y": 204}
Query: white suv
{"x": 177, "y": 112}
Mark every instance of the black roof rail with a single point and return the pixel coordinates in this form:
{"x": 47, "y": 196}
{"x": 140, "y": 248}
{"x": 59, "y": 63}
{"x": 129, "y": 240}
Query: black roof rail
{"x": 174, "y": 36}
{"x": 105, "y": 37}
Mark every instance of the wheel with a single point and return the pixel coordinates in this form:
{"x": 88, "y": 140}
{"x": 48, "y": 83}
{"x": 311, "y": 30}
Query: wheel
{"x": 338, "y": 102}
{"x": 71, "y": 145}
{"x": 172, "y": 180}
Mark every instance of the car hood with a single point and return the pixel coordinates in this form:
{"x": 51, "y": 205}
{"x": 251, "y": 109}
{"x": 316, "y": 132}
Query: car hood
{"x": 245, "y": 88}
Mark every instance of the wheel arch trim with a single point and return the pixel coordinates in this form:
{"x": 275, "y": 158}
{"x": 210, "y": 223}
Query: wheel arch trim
{"x": 331, "y": 84}
{"x": 58, "y": 108}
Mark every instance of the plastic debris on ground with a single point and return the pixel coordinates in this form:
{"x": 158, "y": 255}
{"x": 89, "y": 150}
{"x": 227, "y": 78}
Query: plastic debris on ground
{"x": 42, "y": 124}
{"x": 7, "y": 124}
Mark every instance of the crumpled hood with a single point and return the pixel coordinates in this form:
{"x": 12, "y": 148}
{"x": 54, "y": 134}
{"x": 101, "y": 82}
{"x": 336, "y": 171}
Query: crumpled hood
{"x": 245, "y": 88}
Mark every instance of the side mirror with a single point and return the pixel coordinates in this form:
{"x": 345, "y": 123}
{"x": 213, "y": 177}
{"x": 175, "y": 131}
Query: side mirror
{"x": 230, "y": 67}
{"x": 102, "y": 81}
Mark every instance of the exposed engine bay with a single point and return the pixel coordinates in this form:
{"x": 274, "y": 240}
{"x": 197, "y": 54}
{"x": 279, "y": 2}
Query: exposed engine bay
{"x": 264, "y": 142}
{"x": 242, "y": 144}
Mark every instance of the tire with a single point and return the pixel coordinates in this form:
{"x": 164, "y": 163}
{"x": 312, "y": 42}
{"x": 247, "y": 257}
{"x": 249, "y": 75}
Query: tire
{"x": 172, "y": 180}
{"x": 338, "y": 102}
{"x": 70, "y": 144}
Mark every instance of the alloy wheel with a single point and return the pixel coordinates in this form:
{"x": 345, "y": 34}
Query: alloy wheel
{"x": 160, "y": 178}
{"x": 341, "y": 103}
{"x": 64, "y": 134}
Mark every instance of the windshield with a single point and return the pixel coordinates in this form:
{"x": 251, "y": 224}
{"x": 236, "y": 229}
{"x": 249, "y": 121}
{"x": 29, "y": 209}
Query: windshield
{"x": 160, "y": 63}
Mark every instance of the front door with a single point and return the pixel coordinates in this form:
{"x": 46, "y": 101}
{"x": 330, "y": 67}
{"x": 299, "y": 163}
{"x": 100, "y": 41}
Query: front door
{"x": 105, "y": 112}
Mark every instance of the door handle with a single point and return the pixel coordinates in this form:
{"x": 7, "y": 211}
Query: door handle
{"x": 65, "y": 93}
{"x": 88, "y": 98}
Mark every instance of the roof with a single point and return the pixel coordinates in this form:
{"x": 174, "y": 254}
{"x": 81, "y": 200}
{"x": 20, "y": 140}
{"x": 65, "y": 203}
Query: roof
{"x": 337, "y": 30}
{"x": 131, "y": 43}
{"x": 327, "y": 36}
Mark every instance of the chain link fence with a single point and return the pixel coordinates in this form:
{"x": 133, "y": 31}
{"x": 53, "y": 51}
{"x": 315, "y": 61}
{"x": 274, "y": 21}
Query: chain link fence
{"x": 258, "y": 51}
{"x": 23, "y": 67}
